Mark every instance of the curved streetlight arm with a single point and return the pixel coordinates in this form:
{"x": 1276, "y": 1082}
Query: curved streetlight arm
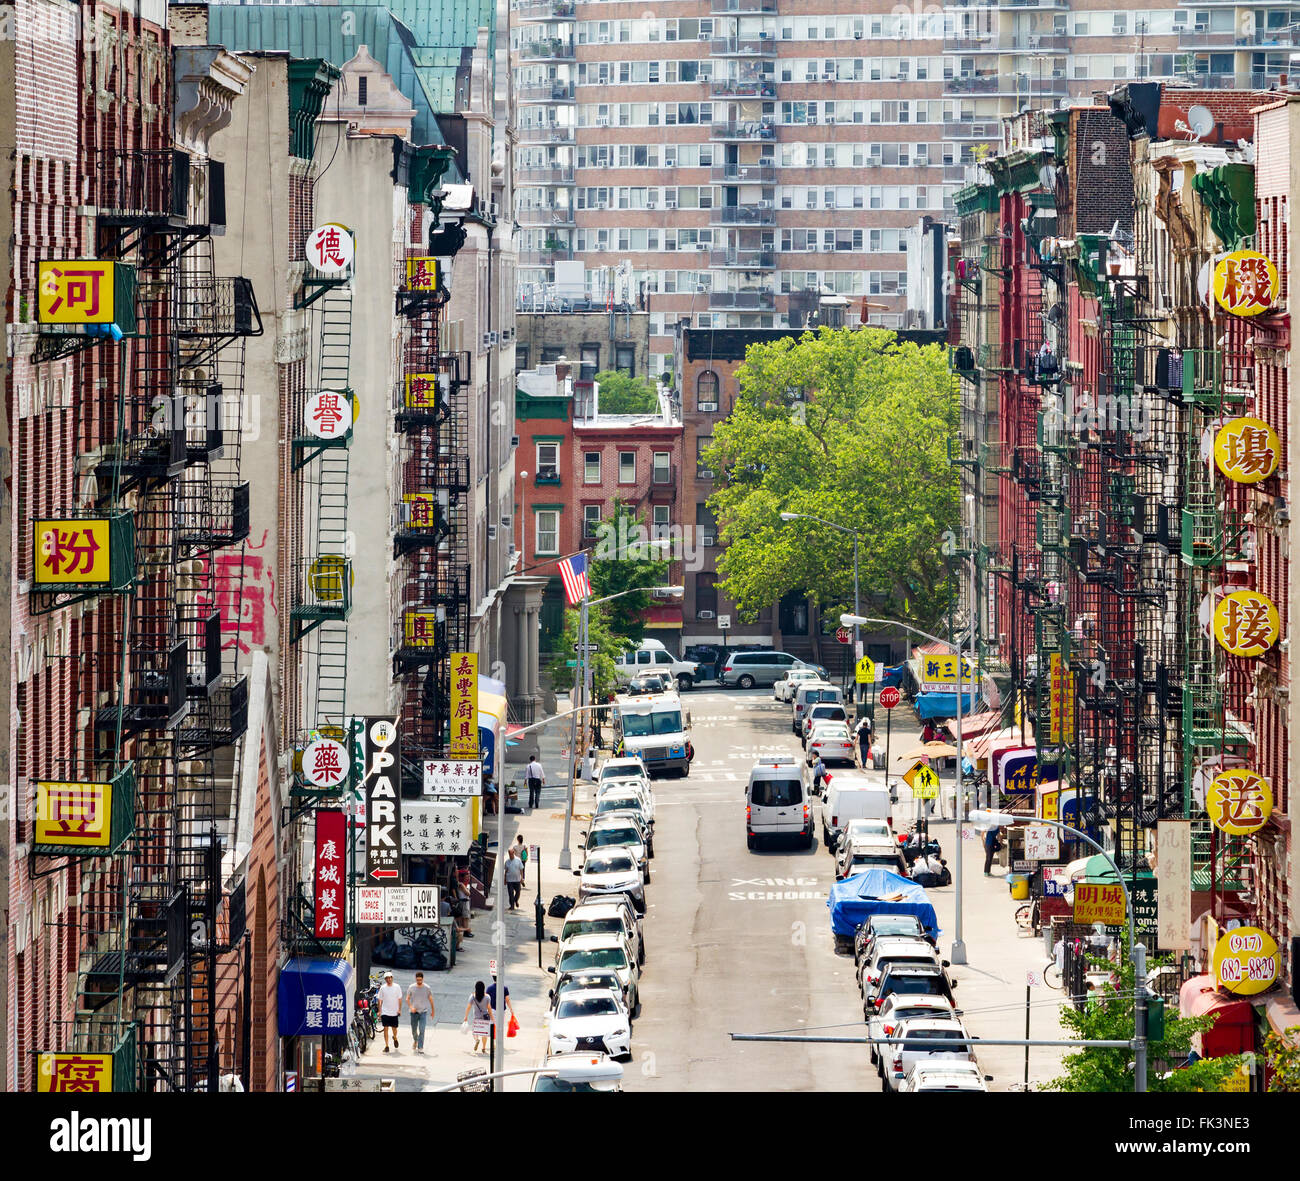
{"x": 819, "y": 520}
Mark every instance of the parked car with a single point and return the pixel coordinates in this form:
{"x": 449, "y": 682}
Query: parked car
{"x": 591, "y": 1020}
{"x": 895, "y": 1009}
{"x": 910, "y": 980}
{"x": 624, "y": 768}
{"x": 783, "y": 690}
{"x": 620, "y": 832}
{"x": 621, "y": 804}
{"x": 551, "y": 1084}
{"x": 831, "y": 742}
{"x": 624, "y": 787}
{"x": 647, "y": 684}
{"x": 580, "y": 980}
{"x": 926, "y": 1039}
{"x": 776, "y": 805}
{"x": 944, "y": 1074}
{"x": 894, "y": 949}
{"x": 863, "y": 853}
{"x": 848, "y": 797}
{"x": 652, "y": 656}
{"x": 882, "y": 925}
{"x": 822, "y": 712}
{"x": 808, "y": 694}
{"x": 585, "y": 953}
{"x": 745, "y": 670}
{"x": 601, "y": 918}
{"x": 611, "y": 871}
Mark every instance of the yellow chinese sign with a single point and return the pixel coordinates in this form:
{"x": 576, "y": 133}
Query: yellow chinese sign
{"x": 422, "y": 391}
{"x": 1099, "y": 902}
{"x": 420, "y": 629}
{"x": 1239, "y": 801}
{"x": 72, "y": 552}
{"x": 923, "y": 781}
{"x": 464, "y": 705}
{"x": 74, "y": 1074}
{"x": 79, "y": 291}
{"x": 1246, "y": 623}
{"x": 1061, "y": 716}
{"x": 1051, "y": 807}
{"x": 864, "y": 672}
{"x": 422, "y": 274}
{"x": 1246, "y": 961}
{"x": 942, "y": 670}
{"x": 1247, "y": 450}
{"x": 1245, "y": 283}
{"x": 326, "y": 577}
{"x": 74, "y": 815}
{"x": 422, "y": 510}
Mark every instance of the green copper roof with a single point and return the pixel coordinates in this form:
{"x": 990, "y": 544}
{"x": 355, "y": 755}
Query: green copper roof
{"x": 1229, "y": 195}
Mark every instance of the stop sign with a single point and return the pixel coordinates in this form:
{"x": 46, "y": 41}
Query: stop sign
{"x": 889, "y": 696}
{"x": 844, "y": 635}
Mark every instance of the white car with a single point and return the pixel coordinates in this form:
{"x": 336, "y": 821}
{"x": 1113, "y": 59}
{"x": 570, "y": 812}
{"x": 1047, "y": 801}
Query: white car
{"x": 623, "y": 768}
{"x": 944, "y": 1076}
{"x": 552, "y": 1084}
{"x": 925, "y": 1039}
{"x": 589, "y": 953}
{"x": 619, "y": 830}
{"x": 784, "y": 689}
{"x": 589, "y": 1021}
{"x": 605, "y": 918}
{"x": 894, "y": 949}
{"x": 862, "y": 853}
{"x": 865, "y": 829}
{"x": 611, "y": 871}
{"x": 626, "y": 794}
{"x": 832, "y": 742}
{"x": 898, "y": 1007}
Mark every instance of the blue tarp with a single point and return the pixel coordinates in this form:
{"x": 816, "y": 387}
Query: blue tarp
{"x": 943, "y": 705}
{"x": 893, "y": 676}
{"x": 877, "y": 891}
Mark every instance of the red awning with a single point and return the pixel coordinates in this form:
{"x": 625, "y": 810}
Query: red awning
{"x": 663, "y": 617}
{"x": 1233, "y": 1031}
{"x": 975, "y": 723}
{"x": 932, "y": 649}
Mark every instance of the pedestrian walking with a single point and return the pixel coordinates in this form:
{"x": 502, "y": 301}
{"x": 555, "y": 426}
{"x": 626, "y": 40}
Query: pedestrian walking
{"x": 535, "y": 777}
{"x": 992, "y": 843}
{"x": 419, "y": 1004}
{"x": 521, "y": 851}
{"x": 864, "y": 741}
{"x": 492, "y": 1000}
{"x": 479, "y": 1011}
{"x": 514, "y": 871}
{"x": 390, "y": 1008}
{"x": 461, "y": 906}
{"x": 819, "y": 773}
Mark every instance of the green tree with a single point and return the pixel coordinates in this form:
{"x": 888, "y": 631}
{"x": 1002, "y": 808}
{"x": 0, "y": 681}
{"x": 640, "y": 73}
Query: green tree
{"x": 1283, "y": 1053}
{"x": 622, "y": 560}
{"x": 852, "y": 426}
{"x": 608, "y": 643}
{"x": 621, "y": 394}
{"x": 1108, "y": 1016}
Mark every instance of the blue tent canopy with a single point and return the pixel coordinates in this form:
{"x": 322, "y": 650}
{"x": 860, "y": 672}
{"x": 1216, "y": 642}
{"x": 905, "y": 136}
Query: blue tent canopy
{"x": 877, "y": 891}
{"x": 893, "y": 676}
{"x": 943, "y": 705}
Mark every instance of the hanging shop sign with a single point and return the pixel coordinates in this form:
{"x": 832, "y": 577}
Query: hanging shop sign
{"x": 329, "y": 889}
{"x": 1174, "y": 861}
{"x": 1099, "y": 902}
{"x": 325, "y": 764}
{"x": 420, "y": 628}
{"x": 1061, "y": 713}
{"x": 464, "y": 705}
{"x": 330, "y": 578}
{"x": 314, "y": 997}
{"x": 1145, "y": 896}
{"x": 76, "y": 291}
{"x": 74, "y": 816}
{"x": 72, "y": 552}
{"x": 1245, "y": 283}
{"x": 453, "y": 777}
{"x": 1247, "y": 450}
{"x": 422, "y": 274}
{"x": 1239, "y": 801}
{"x": 421, "y": 510}
{"x": 436, "y": 829}
{"x": 423, "y": 391}
{"x": 74, "y": 1074}
{"x": 1246, "y": 961}
{"x": 329, "y": 414}
{"x": 1042, "y": 842}
{"x": 330, "y": 248}
{"x": 383, "y": 803}
{"x": 1246, "y": 623}
{"x": 942, "y": 670}
{"x": 1017, "y": 771}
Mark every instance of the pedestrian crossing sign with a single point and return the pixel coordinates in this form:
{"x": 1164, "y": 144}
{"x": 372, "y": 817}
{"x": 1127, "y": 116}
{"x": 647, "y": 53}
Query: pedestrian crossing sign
{"x": 865, "y": 671}
{"x": 923, "y": 781}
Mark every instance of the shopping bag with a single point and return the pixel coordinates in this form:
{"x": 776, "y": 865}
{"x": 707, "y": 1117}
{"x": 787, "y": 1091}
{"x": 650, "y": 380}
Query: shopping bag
{"x": 513, "y": 1027}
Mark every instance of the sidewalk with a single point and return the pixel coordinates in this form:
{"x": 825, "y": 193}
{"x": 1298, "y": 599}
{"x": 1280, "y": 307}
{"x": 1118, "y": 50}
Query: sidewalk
{"x": 448, "y": 1052}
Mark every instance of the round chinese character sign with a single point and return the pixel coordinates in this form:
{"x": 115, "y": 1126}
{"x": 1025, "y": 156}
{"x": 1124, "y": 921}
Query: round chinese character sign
{"x": 1245, "y": 283}
{"x": 330, "y": 248}
{"x": 1246, "y": 961}
{"x": 1247, "y": 450}
{"x": 325, "y": 763}
{"x": 1239, "y": 801}
{"x": 1246, "y": 623}
{"x": 328, "y": 414}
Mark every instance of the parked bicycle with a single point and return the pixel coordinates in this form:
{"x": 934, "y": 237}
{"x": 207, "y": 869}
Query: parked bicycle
{"x": 1029, "y": 915}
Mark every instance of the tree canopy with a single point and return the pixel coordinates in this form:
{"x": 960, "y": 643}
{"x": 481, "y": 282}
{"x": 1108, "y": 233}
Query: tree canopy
{"x": 621, "y": 394}
{"x": 851, "y": 426}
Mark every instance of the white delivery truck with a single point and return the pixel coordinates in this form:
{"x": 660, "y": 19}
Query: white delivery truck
{"x": 657, "y": 730}
{"x": 650, "y": 656}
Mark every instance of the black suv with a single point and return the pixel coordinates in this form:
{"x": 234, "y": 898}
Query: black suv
{"x": 913, "y": 980}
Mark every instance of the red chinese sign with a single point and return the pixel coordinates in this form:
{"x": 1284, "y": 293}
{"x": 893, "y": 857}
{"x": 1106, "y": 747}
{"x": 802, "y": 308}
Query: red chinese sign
{"x": 328, "y": 414}
{"x": 325, "y": 763}
{"x": 422, "y": 274}
{"x": 75, "y": 815}
{"x": 1099, "y": 903}
{"x": 330, "y": 249}
{"x": 75, "y": 292}
{"x": 72, "y": 552}
{"x": 330, "y": 883}
{"x": 74, "y": 1074}
{"x": 242, "y": 587}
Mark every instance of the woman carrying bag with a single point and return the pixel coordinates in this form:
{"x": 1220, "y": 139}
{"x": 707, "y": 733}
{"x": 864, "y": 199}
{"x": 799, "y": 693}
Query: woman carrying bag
{"x": 482, "y": 1010}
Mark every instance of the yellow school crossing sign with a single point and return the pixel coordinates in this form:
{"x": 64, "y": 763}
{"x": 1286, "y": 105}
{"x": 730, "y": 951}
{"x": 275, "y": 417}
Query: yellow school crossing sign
{"x": 865, "y": 671}
{"x": 923, "y": 781}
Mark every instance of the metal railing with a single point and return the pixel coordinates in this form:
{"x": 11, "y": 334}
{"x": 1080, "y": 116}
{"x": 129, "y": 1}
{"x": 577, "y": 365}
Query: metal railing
{"x": 743, "y": 129}
{"x": 545, "y": 175}
{"x": 743, "y": 299}
{"x": 743, "y": 88}
{"x": 547, "y": 92}
{"x": 736, "y": 215}
{"x": 743, "y": 47}
{"x": 764, "y": 174}
{"x": 745, "y": 260}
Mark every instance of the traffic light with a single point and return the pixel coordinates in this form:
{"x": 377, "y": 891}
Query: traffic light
{"x": 1155, "y": 1019}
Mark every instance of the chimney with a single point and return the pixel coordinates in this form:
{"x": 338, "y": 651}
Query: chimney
{"x": 561, "y": 369}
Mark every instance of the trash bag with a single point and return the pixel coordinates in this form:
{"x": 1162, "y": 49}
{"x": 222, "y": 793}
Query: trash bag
{"x": 384, "y": 951}
{"x": 431, "y": 960}
{"x": 404, "y": 957}
{"x": 561, "y": 904}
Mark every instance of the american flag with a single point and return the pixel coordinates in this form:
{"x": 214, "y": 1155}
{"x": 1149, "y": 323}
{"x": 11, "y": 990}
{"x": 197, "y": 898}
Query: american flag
{"x": 573, "y": 573}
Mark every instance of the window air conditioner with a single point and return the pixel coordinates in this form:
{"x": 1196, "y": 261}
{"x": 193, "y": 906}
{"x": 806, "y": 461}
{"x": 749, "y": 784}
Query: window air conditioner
{"x": 505, "y": 521}
{"x": 670, "y": 202}
{"x": 514, "y": 440}
{"x": 491, "y": 533}
{"x": 705, "y": 36}
{"x": 705, "y": 473}
{"x": 704, "y": 615}
{"x": 707, "y": 539}
{"x": 603, "y": 39}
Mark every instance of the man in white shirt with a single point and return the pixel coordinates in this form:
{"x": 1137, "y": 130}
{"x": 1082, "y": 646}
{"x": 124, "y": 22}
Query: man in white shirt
{"x": 390, "y": 1008}
{"x": 535, "y": 777}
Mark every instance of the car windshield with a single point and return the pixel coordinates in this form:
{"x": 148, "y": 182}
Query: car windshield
{"x": 619, "y": 804}
{"x": 874, "y": 828}
{"x": 903, "y": 1012}
{"x": 583, "y": 981}
{"x": 620, "y": 770}
{"x": 613, "y": 836}
{"x": 589, "y": 927}
{"x": 641, "y": 725}
{"x": 876, "y": 860}
{"x": 586, "y": 1006}
{"x": 550, "y": 1085}
{"x": 914, "y": 985}
{"x": 920, "y": 1037}
{"x": 776, "y": 793}
{"x": 610, "y": 863}
{"x": 593, "y": 957}
{"x": 895, "y": 925}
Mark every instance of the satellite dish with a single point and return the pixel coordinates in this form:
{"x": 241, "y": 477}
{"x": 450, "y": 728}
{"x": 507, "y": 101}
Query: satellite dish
{"x": 1200, "y": 120}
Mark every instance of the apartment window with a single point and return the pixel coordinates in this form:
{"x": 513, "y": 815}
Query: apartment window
{"x": 706, "y": 526}
{"x": 663, "y": 467}
{"x": 362, "y": 82}
{"x": 591, "y": 467}
{"x": 590, "y": 521}
{"x": 548, "y": 462}
{"x": 706, "y": 594}
{"x": 702, "y": 442}
{"x": 627, "y": 467}
{"x": 661, "y": 523}
{"x": 589, "y": 354}
{"x": 706, "y": 392}
{"x": 625, "y": 359}
{"x": 548, "y": 531}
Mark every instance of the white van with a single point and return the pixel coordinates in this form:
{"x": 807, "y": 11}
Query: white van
{"x": 851, "y": 796}
{"x": 812, "y": 693}
{"x": 655, "y": 730}
{"x": 652, "y": 657}
{"x": 776, "y": 803}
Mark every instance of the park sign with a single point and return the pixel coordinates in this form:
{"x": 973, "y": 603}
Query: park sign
{"x": 383, "y": 765}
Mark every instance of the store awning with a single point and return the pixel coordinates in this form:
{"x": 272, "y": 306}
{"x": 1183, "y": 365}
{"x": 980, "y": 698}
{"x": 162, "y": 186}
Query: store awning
{"x": 1233, "y": 1031}
{"x": 975, "y": 724}
{"x": 315, "y": 998}
{"x": 663, "y": 617}
{"x": 982, "y": 746}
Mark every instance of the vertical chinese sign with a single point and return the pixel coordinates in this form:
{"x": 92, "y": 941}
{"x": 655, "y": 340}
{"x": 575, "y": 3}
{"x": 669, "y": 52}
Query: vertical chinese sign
{"x": 328, "y": 893}
{"x": 464, "y": 705}
{"x": 1061, "y": 716}
{"x": 383, "y": 763}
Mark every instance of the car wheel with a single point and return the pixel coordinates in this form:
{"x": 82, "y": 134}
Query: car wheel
{"x": 684, "y": 683}
{"x": 647, "y": 874}
{"x": 812, "y": 839}
{"x": 751, "y": 843}
{"x": 745, "y": 682}
{"x": 875, "y": 1058}
{"x": 636, "y": 1009}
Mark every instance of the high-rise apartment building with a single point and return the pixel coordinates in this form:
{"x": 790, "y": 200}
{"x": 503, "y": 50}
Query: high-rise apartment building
{"x": 745, "y": 157}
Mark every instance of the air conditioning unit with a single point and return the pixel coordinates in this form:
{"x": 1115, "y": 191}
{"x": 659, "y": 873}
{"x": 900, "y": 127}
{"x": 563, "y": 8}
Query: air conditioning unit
{"x": 505, "y": 521}
{"x": 707, "y": 539}
{"x": 705, "y": 36}
{"x": 491, "y": 533}
{"x": 704, "y": 473}
{"x": 1058, "y": 73}
{"x": 704, "y": 615}
{"x": 670, "y": 202}
{"x": 602, "y": 120}
{"x": 652, "y": 202}
{"x": 601, "y": 205}
{"x": 514, "y": 440}
{"x": 603, "y": 39}
{"x": 487, "y": 342}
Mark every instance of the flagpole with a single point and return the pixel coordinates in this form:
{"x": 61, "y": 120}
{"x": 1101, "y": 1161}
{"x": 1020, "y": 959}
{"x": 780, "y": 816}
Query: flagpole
{"x": 580, "y": 678}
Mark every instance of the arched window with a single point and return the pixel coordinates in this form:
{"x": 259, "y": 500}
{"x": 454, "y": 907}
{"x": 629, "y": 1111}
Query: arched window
{"x": 706, "y": 392}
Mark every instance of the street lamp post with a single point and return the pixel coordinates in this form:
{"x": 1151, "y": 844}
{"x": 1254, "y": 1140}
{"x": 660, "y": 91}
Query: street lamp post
{"x": 1137, "y": 951}
{"x": 843, "y": 529}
